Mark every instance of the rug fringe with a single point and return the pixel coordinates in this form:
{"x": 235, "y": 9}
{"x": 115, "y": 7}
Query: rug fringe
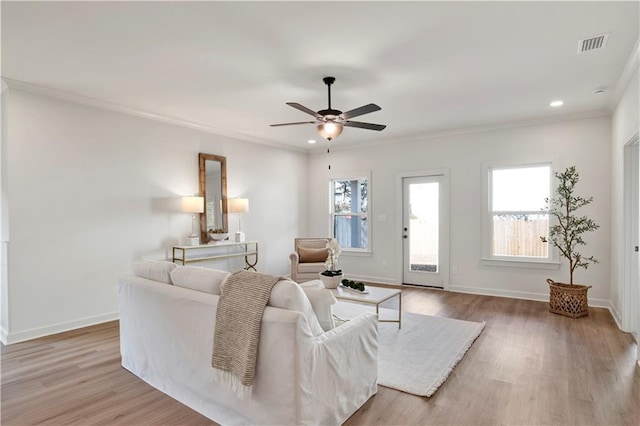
{"x": 229, "y": 379}
{"x": 455, "y": 362}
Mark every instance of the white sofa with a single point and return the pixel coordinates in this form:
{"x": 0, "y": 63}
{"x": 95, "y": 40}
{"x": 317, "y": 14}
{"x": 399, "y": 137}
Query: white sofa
{"x": 166, "y": 339}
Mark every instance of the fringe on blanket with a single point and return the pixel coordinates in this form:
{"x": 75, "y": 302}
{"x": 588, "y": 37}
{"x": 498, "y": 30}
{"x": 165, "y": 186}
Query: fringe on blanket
{"x": 232, "y": 381}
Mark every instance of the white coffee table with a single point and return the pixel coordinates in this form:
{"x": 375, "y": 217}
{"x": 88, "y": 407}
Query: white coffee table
{"x": 375, "y": 296}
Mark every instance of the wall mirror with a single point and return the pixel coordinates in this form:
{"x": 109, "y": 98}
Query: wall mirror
{"x": 213, "y": 187}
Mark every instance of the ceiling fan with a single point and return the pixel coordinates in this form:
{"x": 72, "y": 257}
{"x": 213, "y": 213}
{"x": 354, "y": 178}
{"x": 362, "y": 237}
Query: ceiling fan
{"x": 331, "y": 121}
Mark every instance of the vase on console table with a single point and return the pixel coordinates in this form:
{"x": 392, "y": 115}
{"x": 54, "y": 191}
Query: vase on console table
{"x": 331, "y": 279}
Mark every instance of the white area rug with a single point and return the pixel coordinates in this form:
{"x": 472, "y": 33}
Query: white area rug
{"x": 419, "y": 357}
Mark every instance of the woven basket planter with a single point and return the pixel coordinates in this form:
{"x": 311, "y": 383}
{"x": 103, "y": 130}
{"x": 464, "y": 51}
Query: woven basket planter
{"x": 568, "y": 300}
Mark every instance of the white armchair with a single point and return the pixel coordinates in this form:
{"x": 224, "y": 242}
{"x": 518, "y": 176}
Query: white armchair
{"x": 308, "y": 258}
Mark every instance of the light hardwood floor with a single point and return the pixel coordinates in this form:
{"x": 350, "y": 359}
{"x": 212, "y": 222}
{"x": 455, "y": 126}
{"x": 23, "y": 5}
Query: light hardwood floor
{"x": 529, "y": 367}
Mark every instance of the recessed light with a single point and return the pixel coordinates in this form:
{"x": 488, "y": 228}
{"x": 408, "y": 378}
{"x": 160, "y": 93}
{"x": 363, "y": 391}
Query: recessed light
{"x": 556, "y": 104}
{"x": 311, "y": 141}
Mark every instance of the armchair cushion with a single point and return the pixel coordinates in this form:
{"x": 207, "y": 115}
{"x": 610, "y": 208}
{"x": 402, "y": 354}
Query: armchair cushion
{"x": 312, "y": 255}
{"x": 311, "y": 268}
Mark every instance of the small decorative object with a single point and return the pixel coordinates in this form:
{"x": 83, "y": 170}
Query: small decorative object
{"x": 356, "y": 287}
{"x": 569, "y": 299}
{"x": 218, "y": 234}
{"x": 352, "y": 284}
{"x": 331, "y": 276}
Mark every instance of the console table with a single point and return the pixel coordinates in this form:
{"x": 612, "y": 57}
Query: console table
{"x": 203, "y": 252}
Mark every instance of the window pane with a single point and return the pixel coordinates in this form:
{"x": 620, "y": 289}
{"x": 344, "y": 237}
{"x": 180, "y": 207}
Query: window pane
{"x": 522, "y": 189}
{"x": 350, "y": 196}
{"x": 424, "y": 226}
{"x": 350, "y": 231}
{"x": 519, "y": 235}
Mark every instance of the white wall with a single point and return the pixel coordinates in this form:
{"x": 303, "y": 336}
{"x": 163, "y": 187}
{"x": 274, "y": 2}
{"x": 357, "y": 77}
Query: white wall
{"x": 89, "y": 191}
{"x": 584, "y": 143}
{"x": 625, "y": 124}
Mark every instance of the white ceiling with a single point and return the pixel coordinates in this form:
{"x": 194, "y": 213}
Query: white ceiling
{"x": 231, "y": 66}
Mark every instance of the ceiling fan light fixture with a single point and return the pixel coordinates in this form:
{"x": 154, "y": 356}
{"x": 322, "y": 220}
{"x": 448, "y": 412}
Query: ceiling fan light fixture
{"x": 329, "y": 129}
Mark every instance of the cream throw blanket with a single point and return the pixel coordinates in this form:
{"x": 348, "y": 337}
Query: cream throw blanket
{"x": 237, "y": 330}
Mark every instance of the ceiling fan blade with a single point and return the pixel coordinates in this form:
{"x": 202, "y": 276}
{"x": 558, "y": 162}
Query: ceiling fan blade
{"x": 366, "y": 109}
{"x": 292, "y": 124}
{"x": 303, "y": 108}
{"x": 368, "y": 126}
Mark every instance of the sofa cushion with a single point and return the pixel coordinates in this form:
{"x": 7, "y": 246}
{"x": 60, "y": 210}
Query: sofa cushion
{"x": 156, "y": 270}
{"x": 200, "y": 279}
{"x": 287, "y": 294}
{"x": 322, "y": 300}
{"x": 312, "y": 255}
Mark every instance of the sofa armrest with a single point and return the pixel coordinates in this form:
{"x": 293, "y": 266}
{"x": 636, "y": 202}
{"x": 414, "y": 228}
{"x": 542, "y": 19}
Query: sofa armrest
{"x": 345, "y": 369}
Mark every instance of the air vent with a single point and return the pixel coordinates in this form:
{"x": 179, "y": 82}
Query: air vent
{"x": 597, "y": 42}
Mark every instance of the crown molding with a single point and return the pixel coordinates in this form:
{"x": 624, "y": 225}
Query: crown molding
{"x": 335, "y": 146}
{"x": 632, "y": 65}
{"x": 470, "y": 130}
{"x": 111, "y": 106}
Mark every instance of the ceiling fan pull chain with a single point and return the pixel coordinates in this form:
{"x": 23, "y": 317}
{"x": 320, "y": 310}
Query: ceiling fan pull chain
{"x": 328, "y": 152}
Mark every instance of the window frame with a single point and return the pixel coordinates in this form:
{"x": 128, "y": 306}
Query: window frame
{"x": 332, "y": 214}
{"x": 488, "y": 258}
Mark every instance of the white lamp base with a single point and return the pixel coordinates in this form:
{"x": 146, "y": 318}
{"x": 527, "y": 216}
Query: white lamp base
{"x": 193, "y": 240}
{"x": 240, "y": 238}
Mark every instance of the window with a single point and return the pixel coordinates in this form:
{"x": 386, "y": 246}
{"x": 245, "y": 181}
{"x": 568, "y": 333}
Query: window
{"x": 349, "y": 212}
{"x": 514, "y": 217}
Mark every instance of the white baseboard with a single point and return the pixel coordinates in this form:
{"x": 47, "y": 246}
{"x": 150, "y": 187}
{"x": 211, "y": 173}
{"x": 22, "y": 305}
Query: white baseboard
{"x": 540, "y": 297}
{"x": 3, "y": 336}
{"x": 370, "y": 279}
{"x": 616, "y": 315}
{"x": 34, "y": 333}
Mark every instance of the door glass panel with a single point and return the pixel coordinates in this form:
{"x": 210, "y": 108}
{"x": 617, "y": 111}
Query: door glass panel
{"x": 423, "y": 227}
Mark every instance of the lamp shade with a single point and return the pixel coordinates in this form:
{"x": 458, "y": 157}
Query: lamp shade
{"x": 193, "y": 204}
{"x": 329, "y": 129}
{"x": 238, "y": 205}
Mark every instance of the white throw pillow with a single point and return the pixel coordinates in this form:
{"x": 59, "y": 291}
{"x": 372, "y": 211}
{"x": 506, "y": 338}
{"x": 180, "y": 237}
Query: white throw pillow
{"x": 321, "y": 300}
{"x": 287, "y": 294}
{"x": 201, "y": 279}
{"x": 157, "y": 270}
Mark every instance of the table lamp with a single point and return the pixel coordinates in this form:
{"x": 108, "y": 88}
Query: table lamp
{"x": 193, "y": 205}
{"x": 239, "y": 205}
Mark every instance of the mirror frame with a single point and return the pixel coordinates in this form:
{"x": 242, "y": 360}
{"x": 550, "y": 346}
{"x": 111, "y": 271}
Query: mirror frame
{"x": 202, "y": 172}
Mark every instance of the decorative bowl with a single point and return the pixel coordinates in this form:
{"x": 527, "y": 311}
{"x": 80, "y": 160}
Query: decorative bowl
{"x": 218, "y": 236}
{"x": 330, "y": 282}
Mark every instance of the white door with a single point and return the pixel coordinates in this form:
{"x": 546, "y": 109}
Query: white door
{"x": 425, "y": 230}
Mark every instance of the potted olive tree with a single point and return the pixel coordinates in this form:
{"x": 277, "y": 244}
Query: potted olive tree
{"x": 567, "y": 235}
